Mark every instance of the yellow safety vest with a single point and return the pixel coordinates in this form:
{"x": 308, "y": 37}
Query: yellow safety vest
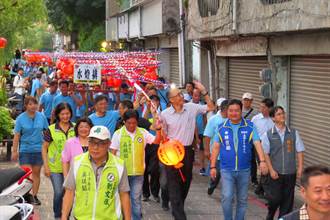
{"x": 56, "y": 147}
{"x": 102, "y": 201}
{"x": 132, "y": 151}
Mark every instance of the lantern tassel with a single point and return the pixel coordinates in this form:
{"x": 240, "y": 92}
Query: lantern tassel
{"x": 182, "y": 176}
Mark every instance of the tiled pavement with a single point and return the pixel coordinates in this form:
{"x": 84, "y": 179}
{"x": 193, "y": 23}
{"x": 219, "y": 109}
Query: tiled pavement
{"x": 199, "y": 206}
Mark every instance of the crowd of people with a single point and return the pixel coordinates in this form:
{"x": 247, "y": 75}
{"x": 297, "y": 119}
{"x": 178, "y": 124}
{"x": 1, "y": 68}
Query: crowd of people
{"x": 99, "y": 149}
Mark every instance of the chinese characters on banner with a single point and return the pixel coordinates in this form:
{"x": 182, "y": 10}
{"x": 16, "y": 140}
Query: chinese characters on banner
{"x": 87, "y": 73}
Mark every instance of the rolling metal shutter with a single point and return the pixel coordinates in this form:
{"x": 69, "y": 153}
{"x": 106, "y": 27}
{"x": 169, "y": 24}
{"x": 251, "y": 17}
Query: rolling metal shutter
{"x": 244, "y": 77}
{"x": 174, "y": 66}
{"x": 310, "y": 106}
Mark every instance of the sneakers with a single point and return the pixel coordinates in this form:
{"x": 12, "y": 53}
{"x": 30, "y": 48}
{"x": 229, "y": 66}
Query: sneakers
{"x": 35, "y": 200}
{"x": 156, "y": 199}
{"x": 210, "y": 191}
{"x": 145, "y": 199}
{"x": 259, "y": 191}
{"x": 165, "y": 206}
{"x": 202, "y": 172}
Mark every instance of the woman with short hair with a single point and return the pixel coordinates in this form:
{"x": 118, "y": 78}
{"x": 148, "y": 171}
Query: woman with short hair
{"x": 76, "y": 145}
{"x": 28, "y": 140}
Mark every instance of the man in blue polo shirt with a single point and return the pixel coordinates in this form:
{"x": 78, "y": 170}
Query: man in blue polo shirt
{"x": 46, "y": 100}
{"x": 68, "y": 97}
{"x": 161, "y": 92}
{"x": 102, "y": 116}
{"x": 209, "y": 133}
{"x": 235, "y": 139}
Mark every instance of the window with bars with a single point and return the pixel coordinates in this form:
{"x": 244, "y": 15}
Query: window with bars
{"x": 208, "y": 7}
{"x": 270, "y": 2}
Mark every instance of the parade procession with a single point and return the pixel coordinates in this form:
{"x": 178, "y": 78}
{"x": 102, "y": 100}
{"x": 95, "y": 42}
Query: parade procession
{"x": 161, "y": 110}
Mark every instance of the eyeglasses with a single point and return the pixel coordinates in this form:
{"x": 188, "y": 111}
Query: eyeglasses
{"x": 98, "y": 143}
{"x": 179, "y": 94}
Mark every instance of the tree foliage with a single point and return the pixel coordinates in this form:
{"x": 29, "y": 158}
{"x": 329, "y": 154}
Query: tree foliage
{"x": 91, "y": 41}
{"x": 16, "y": 16}
{"x": 77, "y": 17}
{"x": 37, "y": 37}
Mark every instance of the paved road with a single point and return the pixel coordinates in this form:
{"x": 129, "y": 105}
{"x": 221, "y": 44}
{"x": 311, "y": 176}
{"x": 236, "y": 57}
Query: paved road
{"x": 199, "y": 206}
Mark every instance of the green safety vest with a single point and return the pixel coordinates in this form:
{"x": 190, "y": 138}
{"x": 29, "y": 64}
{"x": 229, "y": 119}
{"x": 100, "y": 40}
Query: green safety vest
{"x": 132, "y": 151}
{"x": 99, "y": 202}
{"x": 56, "y": 147}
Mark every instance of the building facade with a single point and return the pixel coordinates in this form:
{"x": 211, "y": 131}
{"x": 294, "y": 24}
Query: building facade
{"x": 289, "y": 37}
{"x": 148, "y": 25}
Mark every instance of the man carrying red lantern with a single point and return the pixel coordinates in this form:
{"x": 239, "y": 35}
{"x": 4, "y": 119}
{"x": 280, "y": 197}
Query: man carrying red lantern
{"x": 179, "y": 121}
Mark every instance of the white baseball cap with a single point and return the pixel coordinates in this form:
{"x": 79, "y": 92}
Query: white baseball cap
{"x": 220, "y": 100}
{"x": 247, "y": 95}
{"x": 187, "y": 97}
{"x": 99, "y": 132}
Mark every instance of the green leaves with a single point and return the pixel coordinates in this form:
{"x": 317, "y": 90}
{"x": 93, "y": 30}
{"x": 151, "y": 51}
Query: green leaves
{"x": 15, "y": 17}
{"x": 91, "y": 40}
{"x": 78, "y": 16}
{"x": 6, "y": 122}
{"x": 69, "y": 15}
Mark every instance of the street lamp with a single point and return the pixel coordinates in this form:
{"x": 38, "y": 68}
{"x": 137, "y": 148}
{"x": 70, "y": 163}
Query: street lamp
{"x": 104, "y": 44}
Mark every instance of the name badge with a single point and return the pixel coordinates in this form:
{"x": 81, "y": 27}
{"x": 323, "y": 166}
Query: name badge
{"x": 289, "y": 145}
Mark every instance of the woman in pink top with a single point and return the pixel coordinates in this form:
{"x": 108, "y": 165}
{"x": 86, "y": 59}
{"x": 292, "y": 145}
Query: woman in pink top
{"x": 77, "y": 145}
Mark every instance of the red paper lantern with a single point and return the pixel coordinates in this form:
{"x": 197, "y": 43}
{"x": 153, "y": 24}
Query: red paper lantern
{"x": 110, "y": 82}
{"x": 67, "y": 69}
{"x": 3, "y": 42}
{"x": 116, "y": 83}
{"x": 171, "y": 153}
{"x": 104, "y": 71}
{"x": 151, "y": 75}
{"x": 58, "y": 64}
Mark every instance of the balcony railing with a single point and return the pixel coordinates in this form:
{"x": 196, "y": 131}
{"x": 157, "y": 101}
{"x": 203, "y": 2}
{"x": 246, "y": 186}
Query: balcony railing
{"x": 208, "y": 7}
{"x": 271, "y": 2}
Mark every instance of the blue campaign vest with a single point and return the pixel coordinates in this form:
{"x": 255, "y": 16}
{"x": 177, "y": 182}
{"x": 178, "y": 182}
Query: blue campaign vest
{"x": 229, "y": 158}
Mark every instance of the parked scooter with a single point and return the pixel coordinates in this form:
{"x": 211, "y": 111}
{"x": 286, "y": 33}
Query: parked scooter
{"x": 15, "y": 182}
{"x": 15, "y": 186}
{"x": 10, "y": 209}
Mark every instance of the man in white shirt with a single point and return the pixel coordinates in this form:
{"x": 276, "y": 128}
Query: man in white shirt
{"x": 262, "y": 120}
{"x": 19, "y": 85}
{"x": 248, "y": 112}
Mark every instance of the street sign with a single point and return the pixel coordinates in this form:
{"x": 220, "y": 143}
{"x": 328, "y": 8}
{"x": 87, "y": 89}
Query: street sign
{"x": 87, "y": 74}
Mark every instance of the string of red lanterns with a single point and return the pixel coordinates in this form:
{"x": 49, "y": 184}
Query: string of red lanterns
{"x": 3, "y": 42}
{"x": 137, "y": 66}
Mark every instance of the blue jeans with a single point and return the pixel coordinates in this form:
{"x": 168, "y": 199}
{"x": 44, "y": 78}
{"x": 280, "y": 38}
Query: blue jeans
{"x": 232, "y": 181}
{"x": 57, "y": 180}
{"x": 19, "y": 105}
{"x": 135, "y": 184}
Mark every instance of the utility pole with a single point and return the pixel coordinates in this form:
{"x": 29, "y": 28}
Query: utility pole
{"x": 182, "y": 46}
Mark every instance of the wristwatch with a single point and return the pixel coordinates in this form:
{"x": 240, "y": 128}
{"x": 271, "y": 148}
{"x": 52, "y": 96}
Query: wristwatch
{"x": 206, "y": 93}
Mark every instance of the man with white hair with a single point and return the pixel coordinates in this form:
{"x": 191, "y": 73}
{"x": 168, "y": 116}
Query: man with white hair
{"x": 179, "y": 122}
